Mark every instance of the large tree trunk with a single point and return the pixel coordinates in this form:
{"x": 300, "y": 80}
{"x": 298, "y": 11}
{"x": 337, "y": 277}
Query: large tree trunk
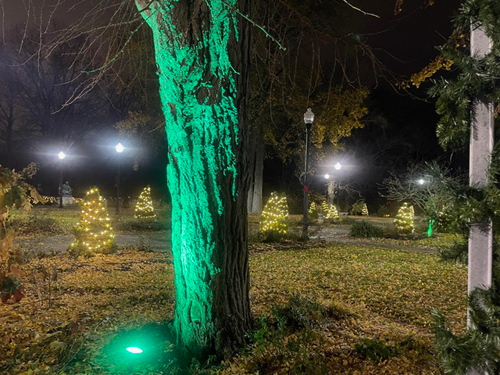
{"x": 202, "y": 58}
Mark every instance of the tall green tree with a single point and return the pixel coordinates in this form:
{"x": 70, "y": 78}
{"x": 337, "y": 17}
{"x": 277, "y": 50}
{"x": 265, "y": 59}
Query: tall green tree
{"x": 202, "y": 52}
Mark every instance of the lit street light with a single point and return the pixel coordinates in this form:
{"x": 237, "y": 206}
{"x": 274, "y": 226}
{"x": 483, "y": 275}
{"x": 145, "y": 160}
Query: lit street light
{"x": 308, "y": 120}
{"x": 119, "y": 149}
{"x": 61, "y": 155}
{"x": 331, "y": 184}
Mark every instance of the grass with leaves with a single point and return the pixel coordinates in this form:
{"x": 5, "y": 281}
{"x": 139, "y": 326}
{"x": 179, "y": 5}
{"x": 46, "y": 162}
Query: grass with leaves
{"x": 325, "y": 309}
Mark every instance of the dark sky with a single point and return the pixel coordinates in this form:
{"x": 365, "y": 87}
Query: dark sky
{"x": 404, "y": 42}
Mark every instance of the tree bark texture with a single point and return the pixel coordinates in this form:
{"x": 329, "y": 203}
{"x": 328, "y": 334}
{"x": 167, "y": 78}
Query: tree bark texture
{"x": 201, "y": 49}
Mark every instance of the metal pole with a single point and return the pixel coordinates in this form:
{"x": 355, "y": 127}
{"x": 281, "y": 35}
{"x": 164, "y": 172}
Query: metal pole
{"x": 305, "y": 228}
{"x": 118, "y": 188}
{"x": 60, "y": 185}
{"x": 481, "y": 147}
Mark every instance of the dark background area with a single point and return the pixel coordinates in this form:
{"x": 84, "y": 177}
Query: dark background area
{"x": 399, "y": 128}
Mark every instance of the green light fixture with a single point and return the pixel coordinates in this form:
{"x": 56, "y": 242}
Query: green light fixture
{"x": 134, "y": 350}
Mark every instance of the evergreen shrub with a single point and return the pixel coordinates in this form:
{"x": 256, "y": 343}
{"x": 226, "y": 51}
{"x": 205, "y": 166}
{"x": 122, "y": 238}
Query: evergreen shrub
{"x": 364, "y": 229}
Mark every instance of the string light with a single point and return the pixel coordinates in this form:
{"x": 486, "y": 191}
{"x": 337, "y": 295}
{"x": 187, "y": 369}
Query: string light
{"x": 275, "y": 216}
{"x": 330, "y": 211}
{"x": 404, "y": 219}
{"x": 93, "y": 234}
{"x": 144, "y": 208}
{"x": 364, "y": 210}
{"x": 312, "y": 208}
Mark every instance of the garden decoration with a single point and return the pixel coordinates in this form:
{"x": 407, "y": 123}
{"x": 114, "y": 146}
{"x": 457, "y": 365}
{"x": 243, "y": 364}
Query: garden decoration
{"x": 93, "y": 234}
{"x": 144, "y": 208}
{"x": 274, "y": 217}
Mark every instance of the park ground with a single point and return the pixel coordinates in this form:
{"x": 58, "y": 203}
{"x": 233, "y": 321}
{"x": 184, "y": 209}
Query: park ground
{"x": 328, "y": 306}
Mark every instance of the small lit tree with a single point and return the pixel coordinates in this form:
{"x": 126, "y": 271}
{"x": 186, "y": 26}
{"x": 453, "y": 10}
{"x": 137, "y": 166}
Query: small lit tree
{"x": 274, "y": 218}
{"x": 404, "y": 219}
{"x": 93, "y": 234}
{"x": 332, "y": 212}
{"x": 144, "y": 208}
{"x": 364, "y": 209}
{"x": 313, "y": 210}
{"x": 359, "y": 208}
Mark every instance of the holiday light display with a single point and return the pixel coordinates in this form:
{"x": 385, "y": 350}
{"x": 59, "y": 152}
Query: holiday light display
{"x": 144, "y": 208}
{"x": 93, "y": 234}
{"x": 332, "y": 212}
{"x": 364, "y": 210}
{"x": 404, "y": 219}
{"x": 274, "y": 217}
{"x": 313, "y": 210}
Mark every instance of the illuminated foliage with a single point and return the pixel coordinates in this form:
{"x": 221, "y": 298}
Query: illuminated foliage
{"x": 93, "y": 234}
{"x": 332, "y": 212}
{"x": 274, "y": 217}
{"x": 313, "y": 210}
{"x": 144, "y": 208}
{"x": 404, "y": 219}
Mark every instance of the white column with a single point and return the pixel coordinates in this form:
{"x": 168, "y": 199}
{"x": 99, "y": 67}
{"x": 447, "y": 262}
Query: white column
{"x": 481, "y": 146}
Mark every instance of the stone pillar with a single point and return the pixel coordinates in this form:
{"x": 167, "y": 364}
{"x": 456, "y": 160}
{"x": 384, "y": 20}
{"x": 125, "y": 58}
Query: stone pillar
{"x": 481, "y": 147}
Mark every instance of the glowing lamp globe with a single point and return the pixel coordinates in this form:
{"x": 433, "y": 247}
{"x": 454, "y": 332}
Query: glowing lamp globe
{"x": 327, "y": 176}
{"x": 421, "y": 181}
{"x": 337, "y": 166}
{"x": 309, "y": 116}
{"x": 134, "y": 350}
{"x": 119, "y": 148}
{"x": 61, "y": 155}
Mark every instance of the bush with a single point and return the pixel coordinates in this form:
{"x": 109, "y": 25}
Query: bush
{"x": 364, "y": 229}
{"x": 36, "y": 225}
{"x": 142, "y": 225}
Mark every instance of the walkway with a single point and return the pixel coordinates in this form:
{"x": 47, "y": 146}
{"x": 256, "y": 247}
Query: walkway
{"x": 160, "y": 241}
{"x": 341, "y": 233}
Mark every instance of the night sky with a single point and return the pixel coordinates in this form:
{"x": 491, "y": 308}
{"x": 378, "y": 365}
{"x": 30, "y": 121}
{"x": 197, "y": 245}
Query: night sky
{"x": 405, "y": 43}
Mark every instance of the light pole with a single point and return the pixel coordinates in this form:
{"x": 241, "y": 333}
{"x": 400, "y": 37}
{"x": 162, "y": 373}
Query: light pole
{"x": 61, "y": 155}
{"x": 308, "y": 120}
{"x": 119, "y": 149}
{"x": 331, "y": 184}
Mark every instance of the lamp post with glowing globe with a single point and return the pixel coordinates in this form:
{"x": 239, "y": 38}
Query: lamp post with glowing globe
{"x": 61, "y": 155}
{"x": 308, "y": 120}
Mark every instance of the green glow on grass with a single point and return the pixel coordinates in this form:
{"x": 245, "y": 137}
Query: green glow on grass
{"x": 134, "y": 350}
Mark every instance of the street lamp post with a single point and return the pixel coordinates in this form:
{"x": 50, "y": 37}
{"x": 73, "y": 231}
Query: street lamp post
{"x": 330, "y": 195}
{"x": 308, "y": 120}
{"x": 61, "y": 155}
{"x": 119, "y": 149}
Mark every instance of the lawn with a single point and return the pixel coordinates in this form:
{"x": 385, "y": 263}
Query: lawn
{"x": 49, "y": 220}
{"x": 319, "y": 308}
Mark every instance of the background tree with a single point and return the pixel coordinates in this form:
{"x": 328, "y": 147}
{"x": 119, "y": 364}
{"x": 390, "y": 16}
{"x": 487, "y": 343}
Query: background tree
{"x": 315, "y": 68}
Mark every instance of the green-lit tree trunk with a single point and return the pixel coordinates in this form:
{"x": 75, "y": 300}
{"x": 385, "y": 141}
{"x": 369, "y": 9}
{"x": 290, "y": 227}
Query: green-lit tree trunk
{"x": 201, "y": 49}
